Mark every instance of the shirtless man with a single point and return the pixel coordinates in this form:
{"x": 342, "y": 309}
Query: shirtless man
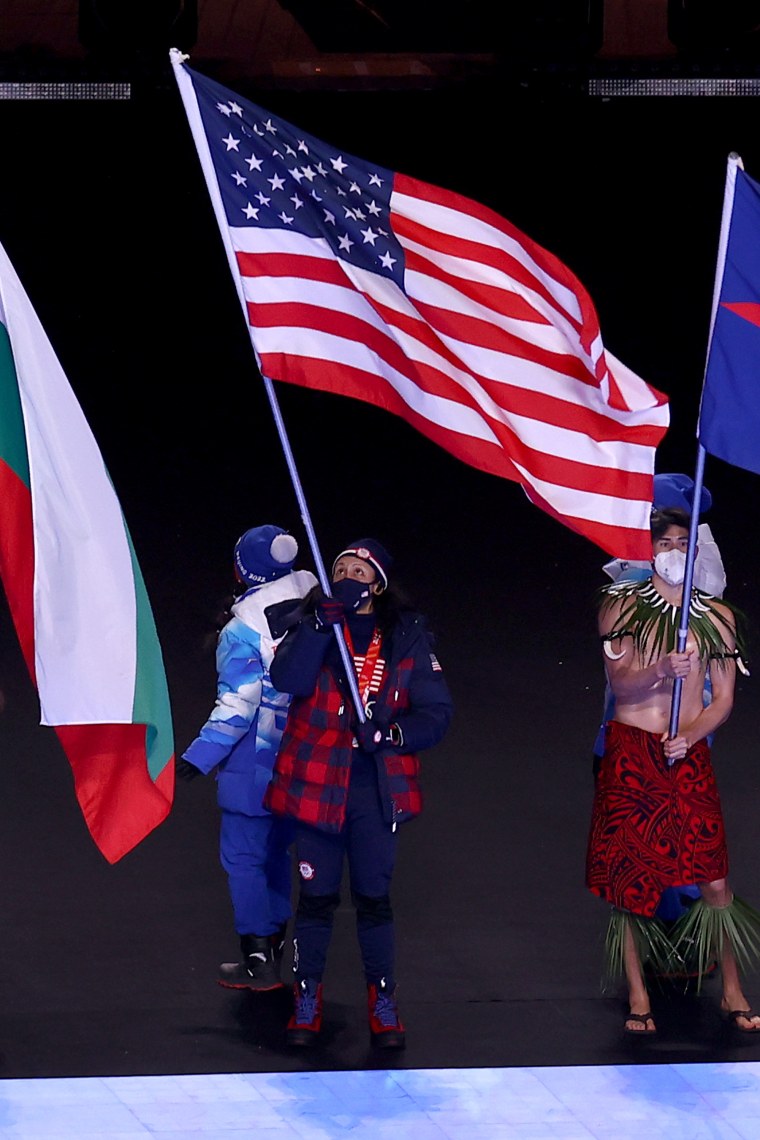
{"x": 657, "y": 818}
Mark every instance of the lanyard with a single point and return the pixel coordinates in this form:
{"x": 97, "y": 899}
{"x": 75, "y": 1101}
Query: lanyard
{"x": 370, "y": 661}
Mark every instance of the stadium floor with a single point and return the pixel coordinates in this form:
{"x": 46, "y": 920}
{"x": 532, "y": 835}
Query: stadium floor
{"x": 683, "y": 1102}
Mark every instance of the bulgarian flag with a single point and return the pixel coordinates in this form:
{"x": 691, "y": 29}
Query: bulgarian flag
{"x": 76, "y": 592}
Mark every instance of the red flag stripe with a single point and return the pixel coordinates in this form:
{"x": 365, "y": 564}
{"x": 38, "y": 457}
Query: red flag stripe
{"x": 573, "y": 476}
{"x": 521, "y": 348}
{"x": 510, "y": 274}
{"x": 519, "y": 368}
{"x": 17, "y": 558}
{"x": 412, "y": 198}
{"x": 386, "y": 316}
{"x": 426, "y": 283}
{"x": 478, "y": 329}
{"x": 509, "y": 399}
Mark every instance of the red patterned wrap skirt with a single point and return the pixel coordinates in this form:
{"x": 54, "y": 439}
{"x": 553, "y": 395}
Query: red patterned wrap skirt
{"x": 652, "y": 826}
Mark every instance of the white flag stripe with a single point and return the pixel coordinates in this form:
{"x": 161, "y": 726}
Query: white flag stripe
{"x": 438, "y": 410}
{"x": 443, "y": 294}
{"x": 531, "y": 377}
{"x": 429, "y": 289}
{"x": 293, "y": 244}
{"x": 282, "y": 242}
{"x": 497, "y": 367}
{"x": 535, "y": 379}
{"x": 557, "y": 336}
{"x": 462, "y": 225}
{"x": 84, "y": 594}
{"x": 432, "y": 291}
{"x": 590, "y": 506}
{"x": 500, "y": 368}
{"x": 504, "y": 367}
{"x": 562, "y": 443}
{"x": 634, "y": 390}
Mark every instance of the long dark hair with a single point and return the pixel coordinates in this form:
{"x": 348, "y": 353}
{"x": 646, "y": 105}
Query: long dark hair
{"x": 389, "y": 606}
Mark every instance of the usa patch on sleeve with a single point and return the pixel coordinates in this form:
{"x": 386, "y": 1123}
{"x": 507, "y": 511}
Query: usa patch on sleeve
{"x": 435, "y": 663}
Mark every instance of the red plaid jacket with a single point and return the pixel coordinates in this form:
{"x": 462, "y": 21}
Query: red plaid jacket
{"x": 313, "y": 767}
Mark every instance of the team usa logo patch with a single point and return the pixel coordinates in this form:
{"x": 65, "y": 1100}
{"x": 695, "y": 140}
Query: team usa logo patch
{"x": 435, "y": 663}
{"x": 305, "y": 870}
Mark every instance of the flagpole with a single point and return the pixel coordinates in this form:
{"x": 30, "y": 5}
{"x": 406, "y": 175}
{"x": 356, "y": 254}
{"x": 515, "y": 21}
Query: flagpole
{"x": 734, "y": 162}
{"x": 190, "y": 103}
{"x": 683, "y": 625}
{"x": 324, "y": 581}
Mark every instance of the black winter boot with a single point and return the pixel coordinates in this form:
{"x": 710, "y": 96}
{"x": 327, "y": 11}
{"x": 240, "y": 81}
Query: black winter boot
{"x": 386, "y": 1030}
{"x": 278, "y": 941}
{"x": 257, "y": 971}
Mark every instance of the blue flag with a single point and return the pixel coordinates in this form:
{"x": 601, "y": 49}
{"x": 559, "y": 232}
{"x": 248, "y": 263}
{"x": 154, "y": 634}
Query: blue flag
{"x": 729, "y": 418}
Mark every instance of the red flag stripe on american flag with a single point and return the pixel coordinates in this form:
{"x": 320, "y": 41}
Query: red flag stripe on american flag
{"x": 548, "y": 408}
{"x": 370, "y": 284}
{"x": 349, "y": 322}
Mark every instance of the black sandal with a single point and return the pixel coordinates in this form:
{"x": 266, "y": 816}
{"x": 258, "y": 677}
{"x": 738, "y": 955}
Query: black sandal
{"x": 732, "y": 1015}
{"x": 640, "y": 1019}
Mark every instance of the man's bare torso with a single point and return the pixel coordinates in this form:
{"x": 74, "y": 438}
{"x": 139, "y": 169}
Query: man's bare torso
{"x": 653, "y": 711}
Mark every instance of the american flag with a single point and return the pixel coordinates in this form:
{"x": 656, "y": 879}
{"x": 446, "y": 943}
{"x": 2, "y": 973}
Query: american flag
{"x": 367, "y": 283}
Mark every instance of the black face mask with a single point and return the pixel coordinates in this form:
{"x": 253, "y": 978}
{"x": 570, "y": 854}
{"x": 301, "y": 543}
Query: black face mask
{"x": 351, "y": 593}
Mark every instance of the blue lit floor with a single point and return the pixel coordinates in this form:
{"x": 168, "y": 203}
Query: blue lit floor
{"x": 680, "y": 1102}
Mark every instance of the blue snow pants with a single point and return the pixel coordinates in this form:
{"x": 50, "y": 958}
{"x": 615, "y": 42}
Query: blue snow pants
{"x": 254, "y": 853}
{"x": 368, "y": 843}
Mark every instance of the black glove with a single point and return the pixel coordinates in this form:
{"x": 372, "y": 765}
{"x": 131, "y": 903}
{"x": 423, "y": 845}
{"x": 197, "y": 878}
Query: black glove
{"x": 187, "y": 771}
{"x": 282, "y": 616}
{"x": 328, "y": 611}
{"x": 371, "y": 735}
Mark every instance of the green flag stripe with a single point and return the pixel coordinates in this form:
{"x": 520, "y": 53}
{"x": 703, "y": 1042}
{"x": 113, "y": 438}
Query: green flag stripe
{"x": 12, "y": 435}
{"x": 151, "y": 703}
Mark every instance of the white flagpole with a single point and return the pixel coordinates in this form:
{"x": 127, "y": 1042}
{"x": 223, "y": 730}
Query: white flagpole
{"x": 734, "y": 162}
{"x": 190, "y": 102}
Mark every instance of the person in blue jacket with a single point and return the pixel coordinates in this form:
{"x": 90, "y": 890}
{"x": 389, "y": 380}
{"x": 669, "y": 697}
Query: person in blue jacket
{"x": 240, "y": 741}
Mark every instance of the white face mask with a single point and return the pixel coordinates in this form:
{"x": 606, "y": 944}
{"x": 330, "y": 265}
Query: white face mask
{"x": 671, "y": 566}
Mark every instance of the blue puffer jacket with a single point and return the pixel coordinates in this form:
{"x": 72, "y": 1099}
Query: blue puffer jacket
{"x": 242, "y": 734}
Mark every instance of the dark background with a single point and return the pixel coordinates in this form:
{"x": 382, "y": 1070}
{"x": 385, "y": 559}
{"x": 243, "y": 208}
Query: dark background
{"x": 105, "y": 215}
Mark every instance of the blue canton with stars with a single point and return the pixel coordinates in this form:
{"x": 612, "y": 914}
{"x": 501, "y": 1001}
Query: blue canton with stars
{"x": 274, "y": 176}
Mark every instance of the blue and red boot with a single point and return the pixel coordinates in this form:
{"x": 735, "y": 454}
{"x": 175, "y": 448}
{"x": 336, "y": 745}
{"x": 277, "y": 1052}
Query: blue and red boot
{"x": 386, "y": 1030}
{"x": 305, "y": 1023}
